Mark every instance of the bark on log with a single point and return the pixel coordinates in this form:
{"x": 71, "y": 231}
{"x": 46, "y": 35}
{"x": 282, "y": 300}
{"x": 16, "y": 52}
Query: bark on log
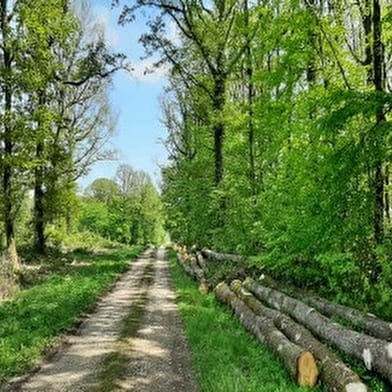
{"x": 186, "y": 265}
{"x": 197, "y": 271}
{"x": 191, "y": 267}
{"x": 375, "y": 353}
{"x": 211, "y": 255}
{"x": 333, "y": 372}
{"x": 200, "y": 260}
{"x": 364, "y": 321}
{"x": 300, "y": 363}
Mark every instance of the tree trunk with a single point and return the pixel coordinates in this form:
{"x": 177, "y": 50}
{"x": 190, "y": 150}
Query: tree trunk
{"x": 299, "y": 363}
{"x": 39, "y": 211}
{"x": 376, "y": 354}
{"x": 39, "y": 215}
{"x": 311, "y": 41}
{"x": 366, "y": 15}
{"x": 378, "y": 66}
{"x": 333, "y": 372}
{"x": 218, "y": 125}
{"x": 361, "y": 320}
{"x": 250, "y": 96}
{"x": 9, "y": 218}
{"x": 218, "y": 150}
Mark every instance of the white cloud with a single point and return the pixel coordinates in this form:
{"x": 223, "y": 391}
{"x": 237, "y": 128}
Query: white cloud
{"x": 105, "y": 24}
{"x": 144, "y": 71}
{"x": 173, "y": 32}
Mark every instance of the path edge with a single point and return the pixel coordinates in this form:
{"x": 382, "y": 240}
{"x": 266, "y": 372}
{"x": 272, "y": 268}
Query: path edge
{"x": 62, "y": 340}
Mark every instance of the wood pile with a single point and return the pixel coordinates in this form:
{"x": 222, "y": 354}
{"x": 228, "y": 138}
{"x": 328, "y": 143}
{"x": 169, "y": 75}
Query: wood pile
{"x": 298, "y": 330}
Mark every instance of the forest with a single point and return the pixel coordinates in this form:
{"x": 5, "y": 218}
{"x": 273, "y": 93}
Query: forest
{"x": 56, "y": 120}
{"x": 279, "y": 137}
{"x": 277, "y": 115}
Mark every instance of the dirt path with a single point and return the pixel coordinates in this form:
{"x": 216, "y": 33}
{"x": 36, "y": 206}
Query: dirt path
{"x": 133, "y": 342}
{"x": 160, "y": 357}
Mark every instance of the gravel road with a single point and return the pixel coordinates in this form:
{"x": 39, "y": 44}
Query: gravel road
{"x": 157, "y": 356}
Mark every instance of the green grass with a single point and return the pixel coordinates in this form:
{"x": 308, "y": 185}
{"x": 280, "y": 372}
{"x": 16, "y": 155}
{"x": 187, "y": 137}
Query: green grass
{"x": 33, "y": 320}
{"x": 226, "y": 358}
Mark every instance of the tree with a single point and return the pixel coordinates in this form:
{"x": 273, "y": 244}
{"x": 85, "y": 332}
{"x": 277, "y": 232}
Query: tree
{"x": 103, "y": 189}
{"x": 132, "y": 205}
{"x": 73, "y": 117}
{"x": 208, "y": 30}
{"x": 130, "y": 180}
{"x": 9, "y": 84}
{"x": 307, "y": 127}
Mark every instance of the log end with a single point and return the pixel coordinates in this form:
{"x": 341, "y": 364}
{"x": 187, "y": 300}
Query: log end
{"x": 249, "y": 282}
{"x": 221, "y": 290}
{"x": 356, "y": 387}
{"x": 236, "y": 285}
{"x": 307, "y": 373}
{"x": 203, "y": 288}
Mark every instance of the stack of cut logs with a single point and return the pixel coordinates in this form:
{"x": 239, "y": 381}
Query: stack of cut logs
{"x": 297, "y": 330}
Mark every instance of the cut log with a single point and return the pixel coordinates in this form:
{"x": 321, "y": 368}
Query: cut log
{"x": 375, "y": 353}
{"x": 187, "y": 268}
{"x": 197, "y": 271}
{"x": 190, "y": 266}
{"x": 333, "y": 372}
{"x": 203, "y": 288}
{"x": 300, "y": 363}
{"x": 200, "y": 260}
{"x": 364, "y": 321}
{"x": 186, "y": 265}
{"x": 211, "y": 255}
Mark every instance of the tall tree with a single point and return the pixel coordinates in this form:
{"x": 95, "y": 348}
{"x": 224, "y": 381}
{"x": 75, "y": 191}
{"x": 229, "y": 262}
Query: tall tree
{"x": 76, "y": 68}
{"x": 209, "y": 30}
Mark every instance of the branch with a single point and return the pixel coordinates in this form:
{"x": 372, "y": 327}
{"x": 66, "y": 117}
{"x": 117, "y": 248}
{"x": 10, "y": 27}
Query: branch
{"x": 101, "y": 75}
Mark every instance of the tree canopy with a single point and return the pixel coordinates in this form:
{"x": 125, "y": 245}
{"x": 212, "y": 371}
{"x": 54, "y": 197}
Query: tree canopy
{"x": 279, "y": 134}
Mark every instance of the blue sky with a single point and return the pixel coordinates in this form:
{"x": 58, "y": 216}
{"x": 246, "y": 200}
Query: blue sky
{"x": 134, "y": 98}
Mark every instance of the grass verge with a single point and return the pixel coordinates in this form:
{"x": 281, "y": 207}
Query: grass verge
{"x": 35, "y": 319}
{"x": 226, "y": 358}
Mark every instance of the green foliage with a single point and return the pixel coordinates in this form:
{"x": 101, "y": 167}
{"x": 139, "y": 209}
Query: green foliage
{"x": 128, "y": 213}
{"x": 38, "y": 315}
{"x": 94, "y": 216}
{"x": 103, "y": 189}
{"x": 78, "y": 240}
{"x": 306, "y": 152}
{"x": 54, "y": 71}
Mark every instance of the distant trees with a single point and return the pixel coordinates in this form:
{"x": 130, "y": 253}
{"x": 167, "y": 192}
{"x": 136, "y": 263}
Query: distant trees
{"x": 127, "y": 209}
{"x": 103, "y": 189}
